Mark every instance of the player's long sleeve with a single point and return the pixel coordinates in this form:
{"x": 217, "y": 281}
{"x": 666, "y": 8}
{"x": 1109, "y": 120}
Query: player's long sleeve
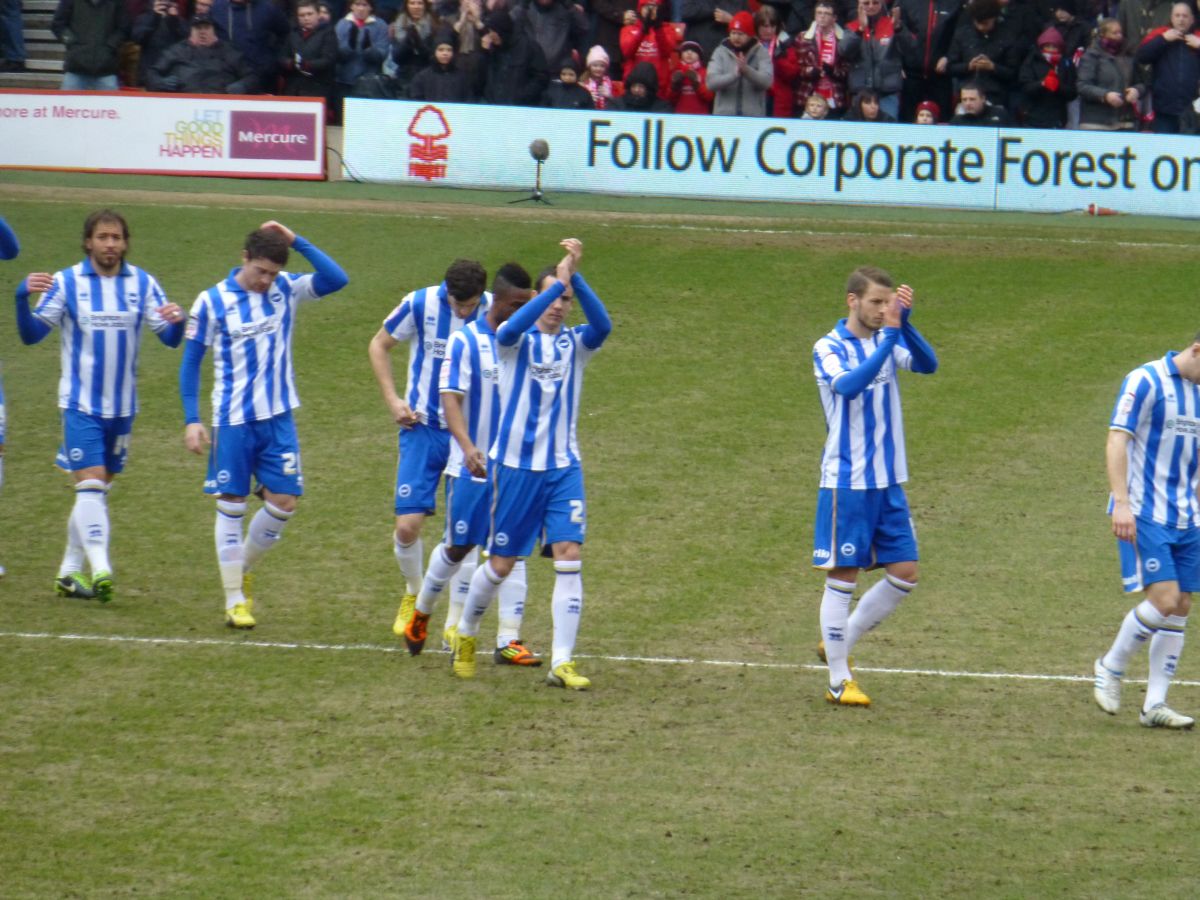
{"x": 599, "y": 325}
{"x": 29, "y": 327}
{"x": 189, "y": 380}
{"x": 172, "y": 335}
{"x": 524, "y": 318}
{"x": 854, "y": 382}
{"x": 10, "y": 247}
{"x": 329, "y": 277}
{"x": 924, "y": 360}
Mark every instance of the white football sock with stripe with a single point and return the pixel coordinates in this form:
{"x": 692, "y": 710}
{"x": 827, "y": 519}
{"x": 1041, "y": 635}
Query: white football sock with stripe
{"x": 874, "y": 606}
{"x": 835, "y": 614}
{"x": 441, "y": 570}
{"x": 91, "y": 522}
{"x": 230, "y": 556}
{"x": 484, "y": 587}
{"x": 512, "y": 605}
{"x": 410, "y": 558}
{"x": 1137, "y": 628}
{"x": 460, "y": 586}
{"x": 566, "y": 606}
{"x": 73, "y": 558}
{"x": 1165, "y": 648}
{"x": 266, "y": 528}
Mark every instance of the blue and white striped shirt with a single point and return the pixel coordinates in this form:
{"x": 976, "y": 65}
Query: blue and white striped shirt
{"x": 864, "y": 444}
{"x": 426, "y": 320}
{"x": 100, "y": 317}
{"x": 1161, "y": 410}
{"x": 251, "y": 338}
{"x": 472, "y": 369}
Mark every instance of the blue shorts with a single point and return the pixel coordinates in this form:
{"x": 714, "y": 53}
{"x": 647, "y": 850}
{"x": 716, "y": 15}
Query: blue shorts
{"x": 468, "y": 511}
{"x": 424, "y": 451}
{"x": 863, "y": 529}
{"x": 1161, "y": 554}
{"x": 267, "y": 449}
{"x": 90, "y": 441}
{"x": 528, "y": 505}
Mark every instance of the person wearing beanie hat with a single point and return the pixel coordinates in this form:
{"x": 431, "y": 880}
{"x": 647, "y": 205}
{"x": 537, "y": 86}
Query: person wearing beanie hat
{"x": 688, "y": 90}
{"x": 1173, "y": 54}
{"x": 740, "y": 71}
{"x": 1047, "y": 81}
{"x": 708, "y": 21}
{"x": 874, "y": 55}
{"x": 928, "y": 113}
{"x": 1075, "y": 33}
{"x": 443, "y": 80}
{"x": 596, "y": 78}
{"x": 641, "y": 92}
{"x": 650, "y": 39}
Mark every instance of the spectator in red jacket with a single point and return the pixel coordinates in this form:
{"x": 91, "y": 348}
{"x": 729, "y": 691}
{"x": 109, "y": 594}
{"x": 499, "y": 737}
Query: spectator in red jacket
{"x": 781, "y": 98}
{"x": 689, "y": 91}
{"x": 650, "y": 39}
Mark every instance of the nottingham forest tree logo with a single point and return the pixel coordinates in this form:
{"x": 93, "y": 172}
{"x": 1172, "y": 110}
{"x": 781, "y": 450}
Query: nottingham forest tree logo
{"x": 430, "y": 155}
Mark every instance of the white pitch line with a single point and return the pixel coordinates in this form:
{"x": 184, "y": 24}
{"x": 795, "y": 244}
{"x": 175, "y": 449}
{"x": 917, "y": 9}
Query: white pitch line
{"x": 651, "y": 660}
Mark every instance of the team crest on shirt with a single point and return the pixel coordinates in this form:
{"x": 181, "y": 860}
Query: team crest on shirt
{"x": 563, "y": 343}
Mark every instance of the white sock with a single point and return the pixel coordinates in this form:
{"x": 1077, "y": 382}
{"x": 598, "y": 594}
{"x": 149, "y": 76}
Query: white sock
{"x": 874, "y": 606}
{"x": 566, "y": 606}
{"x": 91, "y": 522}
{"x": 441, "y": 570}
{"x": 484, "y": 587}
{"x": 410, "y": 557}
{"x": 230, "y": 555}
{"x": 1165, "y": 647}
{"x": 835, "y": 614}
{"x": 1137, "y": 628}
{"x": 266, "y": 528}
{"x": 73, "y": 557}
{"x": 512, "y": 605}
{"x": 460, "y": 586}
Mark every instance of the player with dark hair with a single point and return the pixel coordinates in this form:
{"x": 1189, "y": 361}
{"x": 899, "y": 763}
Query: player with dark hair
{"x": 537, "y": 474}
{"x": 863, "y": 520}
{"x": 426, "y": 319}
{"x": 471, "y": 406}
{"x": 99, "y": 304}
{"x": 1153, "y": 462}
{"x": 248, "y": 319}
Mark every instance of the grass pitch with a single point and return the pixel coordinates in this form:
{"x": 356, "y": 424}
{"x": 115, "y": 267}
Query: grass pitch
{"x": 273, "y": 763}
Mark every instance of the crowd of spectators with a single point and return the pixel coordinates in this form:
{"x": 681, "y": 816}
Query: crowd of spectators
{"x": 1091, "y": 64}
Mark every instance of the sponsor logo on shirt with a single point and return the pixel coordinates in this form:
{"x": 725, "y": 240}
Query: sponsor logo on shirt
{"x": 553, "y": 371}
{"x": 1184, "y": 425}
{"x": 256, "y": 329}
{"x": 101, "y": 321}
{"x": 436, "y": 346}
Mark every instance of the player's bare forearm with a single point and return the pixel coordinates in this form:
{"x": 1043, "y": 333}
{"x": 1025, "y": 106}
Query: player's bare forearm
{"x": 379, "y": 352}
{"x": 456, "y": 424}
{"x": 1117, "y": 464}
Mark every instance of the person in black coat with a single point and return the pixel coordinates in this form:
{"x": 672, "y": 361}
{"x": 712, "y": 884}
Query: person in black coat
{"x": 203, "y": 65}
{"x": 1047, "y": 82}
{"x": 442, "y": 81}
{"x": 310, "y": 55}
{"x": 1173, "y": 54}
{"x": 514, "y": 73}
{"x": 983, "y": 52}
{"x": 565, "y": 92}
{"x": 641, "y": 92}
{"x": 156, "y": 31}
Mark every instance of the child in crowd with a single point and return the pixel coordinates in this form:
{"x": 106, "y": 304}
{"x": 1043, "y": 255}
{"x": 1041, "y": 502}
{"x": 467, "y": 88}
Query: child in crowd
{"x": 816, "y": 107}
{"x": 688, "y": 92}
{"x": 566, "y": 92}
{"x": 596, "y": 79}
{"x": 928, "y": 113}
